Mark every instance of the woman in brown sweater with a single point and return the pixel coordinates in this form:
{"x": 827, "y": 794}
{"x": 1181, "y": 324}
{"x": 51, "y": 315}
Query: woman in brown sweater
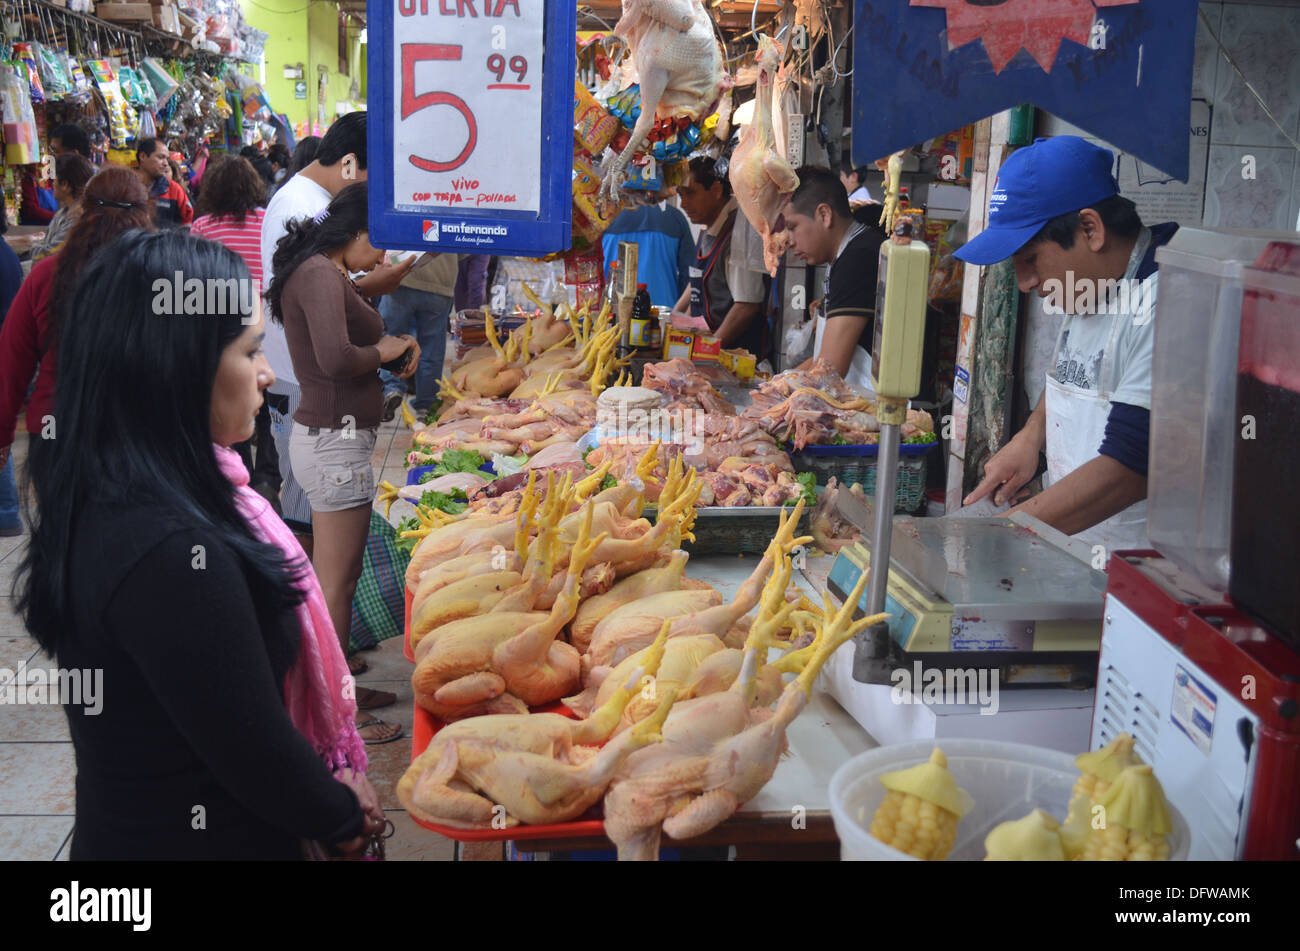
{"x": 337, "y": 344}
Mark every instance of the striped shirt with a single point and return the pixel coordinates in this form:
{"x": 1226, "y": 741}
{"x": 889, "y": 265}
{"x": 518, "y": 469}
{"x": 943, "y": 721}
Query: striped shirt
{"x": 245, "y": 239}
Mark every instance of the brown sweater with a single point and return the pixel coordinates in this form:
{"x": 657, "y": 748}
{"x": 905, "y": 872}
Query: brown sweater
{"x": 332, "y": 332}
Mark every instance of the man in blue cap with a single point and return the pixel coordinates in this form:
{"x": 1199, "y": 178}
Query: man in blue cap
{"x": 1056, "y": 212}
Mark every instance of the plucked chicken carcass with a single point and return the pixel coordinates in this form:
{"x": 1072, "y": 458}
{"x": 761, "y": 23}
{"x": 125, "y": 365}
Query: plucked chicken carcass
{"x": 630, "y": 628}
{"x": 487, "y": 657}
{"x": 717, "y": 751}
{"x": 700, "y": 664}
{"x": 667, "y": 577}
{"x": 537, "y": 767}
{"x": 679, "y": 65}
{"x": 760, "y": 178}
{"x": 685, "y": 386}
{"x": 504, "y": 588}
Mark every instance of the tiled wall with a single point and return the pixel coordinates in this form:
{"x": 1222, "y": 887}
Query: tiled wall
{"x": 1264, "y": 40}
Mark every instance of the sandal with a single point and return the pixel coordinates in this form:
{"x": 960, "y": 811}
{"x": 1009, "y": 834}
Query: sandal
{"x": 375, "y": 721}
{"x": 368, "y": 699}
{"x": 357, "y": 665}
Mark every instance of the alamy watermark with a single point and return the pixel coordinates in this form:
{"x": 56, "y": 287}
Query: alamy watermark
{"x": 1092, "y": 296}
{"x": 683, "y": 427}
{"x": 952, "y": 685}
{"x": 54, "y": 685}
{"x": 206, "y": 297}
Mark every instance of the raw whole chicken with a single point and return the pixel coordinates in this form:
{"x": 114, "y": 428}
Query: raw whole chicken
{"x": 701, "y": 664}
{"x": 537, "y": 766}
{"x": 760, "y": 178}
{"x": 717, "y": 752}
{"x": 498, "y": 655}
{"x": 628, "y": 630}
{"x": 670, "y": 577}
{"x": 679, "y": 65}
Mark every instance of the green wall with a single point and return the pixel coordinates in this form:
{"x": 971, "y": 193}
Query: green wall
{"x": 308, "y": 36}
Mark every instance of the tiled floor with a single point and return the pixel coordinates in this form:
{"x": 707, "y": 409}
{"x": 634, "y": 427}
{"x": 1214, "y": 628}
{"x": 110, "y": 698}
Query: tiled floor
{"x": 37, "y": 768}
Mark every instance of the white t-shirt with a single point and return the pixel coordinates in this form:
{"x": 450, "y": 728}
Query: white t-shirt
{"x": 1084, "y": 339}
{"x": 299, "y": 197}
{"x": 745, "y": 267}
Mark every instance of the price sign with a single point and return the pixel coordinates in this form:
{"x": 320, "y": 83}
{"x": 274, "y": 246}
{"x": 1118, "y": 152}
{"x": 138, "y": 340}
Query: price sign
{"x": 470, "y": 126}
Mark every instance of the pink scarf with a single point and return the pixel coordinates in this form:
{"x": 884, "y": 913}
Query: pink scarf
{"x": 318, "y": 690}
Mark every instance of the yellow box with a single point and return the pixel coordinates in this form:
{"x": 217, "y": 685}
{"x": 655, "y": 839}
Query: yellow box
{"x": 678, "y": 343}
{"x": 740, "y": 362}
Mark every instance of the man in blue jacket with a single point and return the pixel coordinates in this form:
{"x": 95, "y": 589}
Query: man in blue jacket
{"x": 665, "y": 249}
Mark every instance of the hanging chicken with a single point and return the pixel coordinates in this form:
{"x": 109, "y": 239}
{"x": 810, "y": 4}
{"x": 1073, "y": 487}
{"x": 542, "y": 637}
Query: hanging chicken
{"x": 760, "y": 178}
{"x": 679, "y": 65}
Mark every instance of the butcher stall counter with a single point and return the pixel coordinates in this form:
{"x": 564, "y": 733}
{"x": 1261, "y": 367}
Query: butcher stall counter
{"x": 790, "y": 818}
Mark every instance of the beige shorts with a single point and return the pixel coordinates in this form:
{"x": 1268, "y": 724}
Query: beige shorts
{"x": 333, "y": 466}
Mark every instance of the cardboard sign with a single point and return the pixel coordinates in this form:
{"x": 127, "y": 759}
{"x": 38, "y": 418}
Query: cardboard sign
{"x": 471, "y": 129}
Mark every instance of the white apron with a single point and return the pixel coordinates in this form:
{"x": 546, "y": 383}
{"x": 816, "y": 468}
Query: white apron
{"x": 859, "y": 373}
{"x": 1076, "y": 425}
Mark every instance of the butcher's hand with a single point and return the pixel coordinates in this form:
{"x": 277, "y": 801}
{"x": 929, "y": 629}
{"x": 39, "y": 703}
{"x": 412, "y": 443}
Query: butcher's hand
{"x": 1006, "y": 473}
{"x": 386, "y": 278}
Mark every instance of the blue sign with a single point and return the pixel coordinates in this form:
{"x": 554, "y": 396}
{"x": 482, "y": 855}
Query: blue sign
{"x": 470, "y": 127}
{"x": 1120, "y": 69}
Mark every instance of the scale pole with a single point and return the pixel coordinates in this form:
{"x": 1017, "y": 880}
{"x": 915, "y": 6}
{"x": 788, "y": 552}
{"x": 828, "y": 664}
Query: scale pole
{"x": 872, "y": 655}
{"x": 882, "y": 529}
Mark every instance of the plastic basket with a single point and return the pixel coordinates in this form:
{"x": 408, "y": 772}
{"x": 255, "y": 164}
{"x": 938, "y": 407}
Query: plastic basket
{"x": 909, "y": 486}
{"x": 1006, "y": 781}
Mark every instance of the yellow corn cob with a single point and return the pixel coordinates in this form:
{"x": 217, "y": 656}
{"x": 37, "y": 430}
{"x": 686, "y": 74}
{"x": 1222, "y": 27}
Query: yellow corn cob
{"x": 1135, "y": 824}
{"x": 921, "y": 808}
{"x": 1034, "y": 838}
{"x": 1097, "y": 770}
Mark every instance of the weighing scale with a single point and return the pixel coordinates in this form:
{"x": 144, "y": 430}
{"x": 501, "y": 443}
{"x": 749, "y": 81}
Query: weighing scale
{"x": 1009, "y": 597}
{"x": 1003, "y": 593}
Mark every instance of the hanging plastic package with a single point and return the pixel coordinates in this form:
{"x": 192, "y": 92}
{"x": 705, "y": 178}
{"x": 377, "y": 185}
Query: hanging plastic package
{"x": 120, "y": 115}
{"x": 21, "y": 147}
{"x": 57, "y": 83}
{"x": 80, "y": 81}
{"x": 24, "y": 55}
{"x": 148, "y": 129}
{"x": 162, "y": 82}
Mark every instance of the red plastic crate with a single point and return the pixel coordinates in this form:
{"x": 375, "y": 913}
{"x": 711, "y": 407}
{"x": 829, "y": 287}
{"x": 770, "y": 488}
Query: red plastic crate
{"x": 423, "y": 730}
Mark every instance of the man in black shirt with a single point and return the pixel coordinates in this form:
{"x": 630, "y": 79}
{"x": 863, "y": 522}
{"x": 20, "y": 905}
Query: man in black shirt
{"x": 822, "y": 231}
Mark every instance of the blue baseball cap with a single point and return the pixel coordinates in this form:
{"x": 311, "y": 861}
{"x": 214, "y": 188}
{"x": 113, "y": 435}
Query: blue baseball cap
{"x": 1035, "y": 184}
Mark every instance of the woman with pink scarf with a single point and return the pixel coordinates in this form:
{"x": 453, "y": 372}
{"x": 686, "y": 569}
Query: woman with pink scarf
{"x": 217, "y": 720}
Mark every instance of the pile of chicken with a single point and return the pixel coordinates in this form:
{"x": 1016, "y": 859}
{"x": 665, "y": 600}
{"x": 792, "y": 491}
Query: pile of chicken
{"x": 681, "y": 712}
{"x": 672, "y": 681}
{"x": 816, "y": 407}
{"x": 533, "y": 394}
{"x": 742, "y": 464}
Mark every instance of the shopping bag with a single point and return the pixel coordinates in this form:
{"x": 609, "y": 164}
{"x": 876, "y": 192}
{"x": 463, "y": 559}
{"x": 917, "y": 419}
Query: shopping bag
{"x": 379, "y": 605}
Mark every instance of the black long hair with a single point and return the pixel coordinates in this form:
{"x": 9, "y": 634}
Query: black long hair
{"x": 119, "y": 442}
{"x": 305, "y": 238}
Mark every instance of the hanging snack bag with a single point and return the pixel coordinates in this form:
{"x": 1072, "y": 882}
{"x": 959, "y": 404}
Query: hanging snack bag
{"x": 593, "y": 127}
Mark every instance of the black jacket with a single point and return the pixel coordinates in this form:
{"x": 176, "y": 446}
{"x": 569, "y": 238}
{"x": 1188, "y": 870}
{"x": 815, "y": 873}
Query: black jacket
{"x": 192, "y": 755}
